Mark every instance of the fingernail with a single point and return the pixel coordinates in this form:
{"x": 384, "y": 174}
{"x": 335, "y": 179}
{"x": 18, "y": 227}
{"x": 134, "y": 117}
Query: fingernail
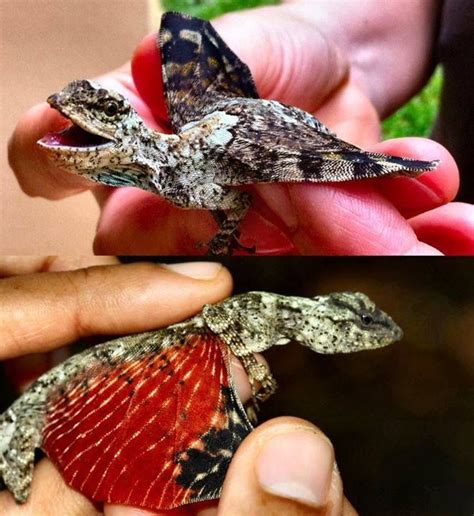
{"x": 297, "y": 465}
{"x": 196, "y": 270}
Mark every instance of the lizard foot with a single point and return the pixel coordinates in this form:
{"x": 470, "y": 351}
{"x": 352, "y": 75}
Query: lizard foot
{"x": 252, "y": 410}
{"x": 263, "y": 386}
{"x": 225, "y": 245}
{"x": 268, "y": 387}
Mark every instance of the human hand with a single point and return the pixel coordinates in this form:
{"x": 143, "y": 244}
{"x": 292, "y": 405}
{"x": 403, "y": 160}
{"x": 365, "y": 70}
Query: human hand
{"x": 285, "y": 466}
{"x": 41, "y": 312}
{"x": 390, "y": 216}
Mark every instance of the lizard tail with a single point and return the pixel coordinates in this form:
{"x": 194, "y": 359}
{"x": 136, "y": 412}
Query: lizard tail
{"x": 396, "y": 166}
{"x": 354, "y": 164}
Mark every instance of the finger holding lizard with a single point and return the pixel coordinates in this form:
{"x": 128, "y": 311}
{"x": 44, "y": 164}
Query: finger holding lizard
{"x": 263, "y": 462}
{"x": 285, "y": 466}
{"x": 274, "y": 222}
{"x": 44, "y": 310}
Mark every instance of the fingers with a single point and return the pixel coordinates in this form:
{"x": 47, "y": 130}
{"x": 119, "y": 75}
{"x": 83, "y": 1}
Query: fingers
{"x": 16, "y": 265}
{"x": 430, "y": 190}
{"x": 351, "y": 115}
{"x": 350, "y": 219}
{"x": 122, "y": 510}
{"x": 305, "y": 66}
{"x": 449, "y": 228}
{"x": 146, "y": 72}
{"x": 137, "y": 222}
{"x": 363, "y": 218}
{"x": 49, "y": 495}
{"x": 286, "y": 466}
{"x": 44, "y": 311}
{"x": 22, "y": 371}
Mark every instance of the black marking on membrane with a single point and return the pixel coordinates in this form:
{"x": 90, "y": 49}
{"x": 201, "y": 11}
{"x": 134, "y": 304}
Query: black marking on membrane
{"x": 209, "y": 460}
{"x": 411, "y": 164}
{"x": 309, "y": 164}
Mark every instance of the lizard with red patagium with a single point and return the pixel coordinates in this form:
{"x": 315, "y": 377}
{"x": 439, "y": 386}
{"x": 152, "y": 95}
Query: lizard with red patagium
{"x": 225, "y": 135}
{"x": 152, "y": 420}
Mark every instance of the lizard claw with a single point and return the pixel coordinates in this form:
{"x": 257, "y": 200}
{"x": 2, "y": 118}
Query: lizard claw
{"x": 225, "y": 245}
{"x": 268, "y": 387}
{"x": 261, "y": 391}
{"x": 252, "y": 409}
{"x": 238, "y": 246}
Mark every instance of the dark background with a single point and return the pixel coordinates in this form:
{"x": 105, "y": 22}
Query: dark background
{"x": 401, "y": 418}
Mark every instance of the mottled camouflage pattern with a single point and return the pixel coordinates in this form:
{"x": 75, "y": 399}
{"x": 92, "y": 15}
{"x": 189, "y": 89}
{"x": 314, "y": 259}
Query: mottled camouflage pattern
{"x": 247, "y": 323}
{"x": 226, "y": 135}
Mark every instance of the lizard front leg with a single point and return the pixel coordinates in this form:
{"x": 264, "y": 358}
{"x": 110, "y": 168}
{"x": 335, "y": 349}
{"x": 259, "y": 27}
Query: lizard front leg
{"x": 228, "y": 206}
{"x": 228, "y": 234}
{"x": 247, "y": 329}
{"x": 261, "y": 380}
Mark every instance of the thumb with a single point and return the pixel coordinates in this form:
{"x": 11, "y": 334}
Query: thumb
{"x": 286, "y": 466}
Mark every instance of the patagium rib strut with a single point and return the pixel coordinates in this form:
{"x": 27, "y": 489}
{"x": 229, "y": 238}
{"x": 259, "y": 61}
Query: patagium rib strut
{"x": 225, "y": 135}
{"x": 152, "y": 420}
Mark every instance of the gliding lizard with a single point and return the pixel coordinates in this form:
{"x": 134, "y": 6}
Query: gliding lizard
{"x": 225, "y": 135}
{"x": 152, "y": 420}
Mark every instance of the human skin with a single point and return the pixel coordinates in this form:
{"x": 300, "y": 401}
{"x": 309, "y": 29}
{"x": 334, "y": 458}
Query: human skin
{"x": 46, "y": 303}
{"x": 348, "y": 85}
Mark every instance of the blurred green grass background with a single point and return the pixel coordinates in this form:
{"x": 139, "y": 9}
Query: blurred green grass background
{"x": 415, "y": 118}
{"x": 211, "y": 8}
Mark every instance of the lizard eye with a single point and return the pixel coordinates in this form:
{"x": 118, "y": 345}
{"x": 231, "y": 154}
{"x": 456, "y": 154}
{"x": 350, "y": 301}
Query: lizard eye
{"x": 111, "y": 108}
{"x": 367, "y": 319}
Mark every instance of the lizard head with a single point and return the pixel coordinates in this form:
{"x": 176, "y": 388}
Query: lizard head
{"x": 343, "y": 323}
{"x": 103, "y": 135}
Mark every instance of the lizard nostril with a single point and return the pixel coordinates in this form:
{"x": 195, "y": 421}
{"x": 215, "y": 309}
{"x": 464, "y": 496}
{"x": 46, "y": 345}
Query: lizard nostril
{"x": 53, "y": 100}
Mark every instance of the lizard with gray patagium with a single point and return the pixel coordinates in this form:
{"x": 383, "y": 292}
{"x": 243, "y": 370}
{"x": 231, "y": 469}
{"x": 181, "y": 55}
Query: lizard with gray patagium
{"x": 152, "y": 420}
{"x": 225, "y": 135}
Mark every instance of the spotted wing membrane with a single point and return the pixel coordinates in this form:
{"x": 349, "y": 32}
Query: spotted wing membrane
{"x": 272, "y": 142}
{"x": 280, "y": 143}
{"x": 157, "y": 431}
{"x": 198, "y": 68}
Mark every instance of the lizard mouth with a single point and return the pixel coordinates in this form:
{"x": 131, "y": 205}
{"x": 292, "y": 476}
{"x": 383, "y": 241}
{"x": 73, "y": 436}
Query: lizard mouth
{"x": 76, "y": 136}
{"x": 73, "y": 137}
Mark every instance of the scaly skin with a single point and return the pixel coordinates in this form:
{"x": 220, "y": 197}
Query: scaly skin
{"x": 225, "y": 135}
{"x": 248, "y": 323}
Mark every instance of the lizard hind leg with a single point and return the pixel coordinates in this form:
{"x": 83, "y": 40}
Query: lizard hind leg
{"x": 20, "y": 435}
